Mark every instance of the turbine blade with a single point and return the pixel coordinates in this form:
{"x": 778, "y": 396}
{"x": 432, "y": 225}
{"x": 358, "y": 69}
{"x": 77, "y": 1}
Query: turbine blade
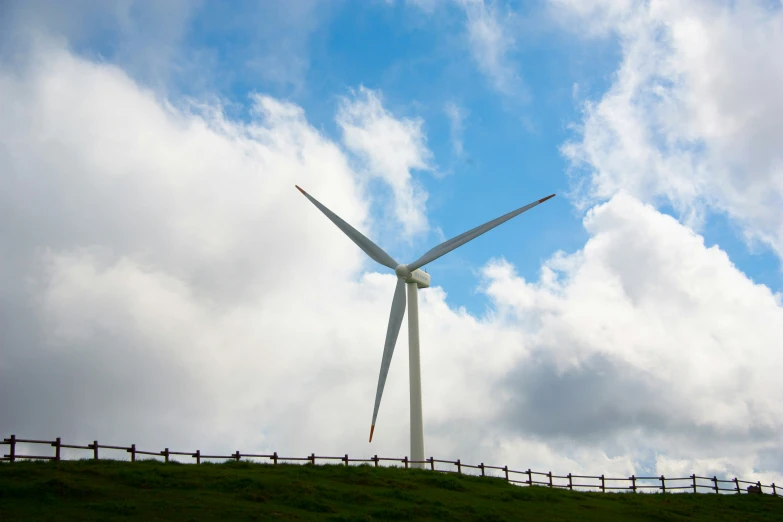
{"x": 456, "y": 242}
{"x": 395, "y": 321}
{"x": 370, "y": 248}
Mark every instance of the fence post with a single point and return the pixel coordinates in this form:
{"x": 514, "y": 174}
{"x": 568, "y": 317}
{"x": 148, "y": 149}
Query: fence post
{"x": 346, "y": 459}
{"x": 505, "y": 468}
{"x": 405, "y": 461}
{"x": 774, "y": 491}
{"x": 663, "y": 483}
{"x": 375, "y": 458}
{"x": 274, "y": 458}
{"x": 633, "y": 483}
{"x": 56, "y": 445}
{"x": 95, "y": 449}
{"x": 715, "y": 480}
{"x": 12, "y": 451}
{"x": 570, "y": 482}
{"x": 603, "y": 485}
{"x": 529, "y": 477}
{"x": 550, "y": 478}
{"x": 432, "y": 463}
{"x": 759, "y": 485}
{"x": 165, "y": 454}
{"x": 459, "y": 467}
{"x": 237, "y": 455}
{"x": 736, "y": 483}
{"x": 198, "y": 456}
{"x": 694, "y": 482}
{"x": 132, "y": 451}
{"x": 482, "y": 468}
{"x": 312, "y": 459}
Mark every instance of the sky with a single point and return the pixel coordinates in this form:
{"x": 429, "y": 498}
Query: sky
{"x": 163, "y": 283}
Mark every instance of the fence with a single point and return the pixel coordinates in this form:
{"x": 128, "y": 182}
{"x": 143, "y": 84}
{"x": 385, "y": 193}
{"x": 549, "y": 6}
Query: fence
{"x": 552, "y": 481}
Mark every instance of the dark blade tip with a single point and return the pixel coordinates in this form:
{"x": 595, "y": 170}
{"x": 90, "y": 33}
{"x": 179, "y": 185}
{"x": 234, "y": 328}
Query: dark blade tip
{"x": 372, "y": 429}
{"x": 303, "y": 192}
{"x": 540, "y": 200}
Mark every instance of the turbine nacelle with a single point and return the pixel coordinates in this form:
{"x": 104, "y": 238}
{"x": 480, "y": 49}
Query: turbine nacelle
{"x": 420, "y": 277}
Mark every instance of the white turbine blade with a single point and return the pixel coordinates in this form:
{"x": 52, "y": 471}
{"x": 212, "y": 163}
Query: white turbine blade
{"x": 370, "y": 248}
{"x": 395, "y": 321}
{"x": 455, "y": 242}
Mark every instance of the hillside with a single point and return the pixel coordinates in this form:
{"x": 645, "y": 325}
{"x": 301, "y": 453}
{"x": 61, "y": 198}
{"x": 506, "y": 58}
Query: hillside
{"x": 152, "y": 490}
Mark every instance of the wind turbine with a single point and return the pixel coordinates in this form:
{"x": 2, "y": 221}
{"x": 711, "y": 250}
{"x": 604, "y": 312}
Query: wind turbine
{"x": 414, "y": 278}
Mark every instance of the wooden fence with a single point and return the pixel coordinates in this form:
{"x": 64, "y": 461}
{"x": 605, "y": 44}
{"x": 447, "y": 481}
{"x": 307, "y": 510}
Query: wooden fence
{"x": 694, "y": 484}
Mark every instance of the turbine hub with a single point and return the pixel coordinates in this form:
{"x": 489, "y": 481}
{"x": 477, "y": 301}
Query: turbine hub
{"x": 402, "y": 271}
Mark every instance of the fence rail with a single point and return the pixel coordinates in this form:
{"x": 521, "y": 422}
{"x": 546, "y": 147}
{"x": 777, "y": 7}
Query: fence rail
{"x": 660, "y": 485}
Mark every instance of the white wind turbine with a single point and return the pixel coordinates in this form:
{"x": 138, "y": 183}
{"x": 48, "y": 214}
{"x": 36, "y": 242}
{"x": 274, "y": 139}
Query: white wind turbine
{"x": 415, "y": 279}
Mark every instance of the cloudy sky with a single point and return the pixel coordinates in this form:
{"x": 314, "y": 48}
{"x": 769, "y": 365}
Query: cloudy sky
{"x": 163, "y": 283}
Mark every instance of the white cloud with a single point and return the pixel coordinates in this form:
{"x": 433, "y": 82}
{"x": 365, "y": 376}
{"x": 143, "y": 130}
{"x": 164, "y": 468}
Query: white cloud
{"x": 491, "y": 43}
{"x": 187, "y": 222}
{"x": 489, "y": 31}
{"x": 694, "y": 114}
{"x": 456, "y": 115}
{"x": 646, "y": 339}
{"x": 153, "y": 39}
{"x": 146, "y": 36}
{"x": 280, "y": 36}
{"x": 163, "y": 278}
{"x": 391, "y": 148}
{"x": 428, "y": 6}
{"x": 162, "y": 283}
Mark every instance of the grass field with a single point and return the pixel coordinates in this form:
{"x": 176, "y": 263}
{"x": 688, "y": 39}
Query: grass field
{"x": 152, "y": 490}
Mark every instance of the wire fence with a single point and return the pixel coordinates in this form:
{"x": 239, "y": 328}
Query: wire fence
{"x": 693, "y": 483}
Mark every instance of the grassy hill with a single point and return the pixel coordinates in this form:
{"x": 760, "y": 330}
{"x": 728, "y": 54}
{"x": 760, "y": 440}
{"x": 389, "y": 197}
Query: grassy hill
{"x": 152, "y": 490}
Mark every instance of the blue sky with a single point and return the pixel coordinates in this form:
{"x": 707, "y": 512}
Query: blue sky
{"x": 510, "y": 142}
{"x": 161, "y": 141}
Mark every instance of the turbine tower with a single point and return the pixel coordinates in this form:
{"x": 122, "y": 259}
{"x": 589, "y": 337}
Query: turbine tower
{"x": 414, "y": 278}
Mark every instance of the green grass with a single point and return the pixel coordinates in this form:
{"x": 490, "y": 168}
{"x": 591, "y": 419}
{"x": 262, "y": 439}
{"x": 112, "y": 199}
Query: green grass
{"x": 152, "y": 490}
